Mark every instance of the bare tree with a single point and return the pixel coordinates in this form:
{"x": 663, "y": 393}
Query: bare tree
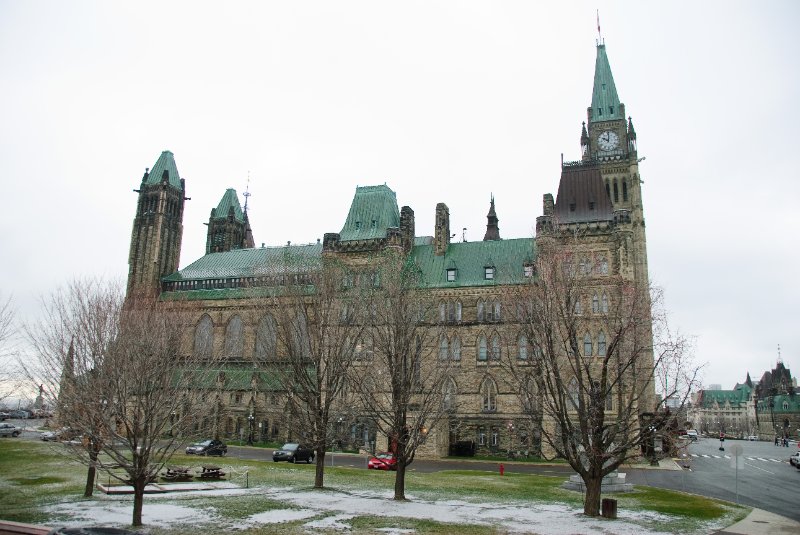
{"x": 116, "y": 377}
{"x": 594, "y": 364}
{"x": 403, "y": 390}
{"x": 318, "y": 327}
{"x": 7, "y": 335}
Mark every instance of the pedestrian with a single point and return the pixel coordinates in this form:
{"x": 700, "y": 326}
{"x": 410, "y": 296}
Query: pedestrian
{"x": 776, "y": 440}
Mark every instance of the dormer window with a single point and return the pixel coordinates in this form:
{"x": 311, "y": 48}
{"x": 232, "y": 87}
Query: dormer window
{"x": 488, "y": 273}
{"x": 451, "y": 274}
{"x": 358, "y": 225}
{"x": 591, "y": 205}
{"x": 572, "y": 207}
{"x": 527, "y": 270}
{"x": 374, "y": 223}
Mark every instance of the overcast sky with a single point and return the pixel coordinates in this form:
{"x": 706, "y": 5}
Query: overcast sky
{"x": 442, "y": 101}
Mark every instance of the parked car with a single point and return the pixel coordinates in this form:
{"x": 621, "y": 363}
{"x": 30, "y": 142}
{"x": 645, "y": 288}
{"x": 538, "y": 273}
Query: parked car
{"x": 692, "y": 434}
{"x": 8, "y": 430}
{"x": 383, "y": 461}
{"x": 752, "y": 437}
{"x": 49, "y": 436}
{"x": 20, "y": 414}
{"x": 794, "y": 460}
{"x": 207, "y": 447}
{"x": 4, "y": 415}
{"x": 293, "y": 453}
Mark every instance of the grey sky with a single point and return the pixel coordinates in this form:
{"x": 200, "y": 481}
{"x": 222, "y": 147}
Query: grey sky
{"x": 443, "y": 101}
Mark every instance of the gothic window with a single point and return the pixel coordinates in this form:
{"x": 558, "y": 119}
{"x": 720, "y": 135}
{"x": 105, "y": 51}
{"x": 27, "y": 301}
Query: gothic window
{"x": 578, "y": 306}
{"x": 265, "y": 338}
{"x": 455, "y": 348}
{"x": 443, "y": 349}
{"x": 363, "y": 348}
{"x": 601, "y": 344}
{"x": 573, "y": 393}
{"x": 489, "y": 395}
{"x": 786, "y": 405}
{"x": 522, "y": 347}
{"x": 204, "y": 337}
{"x": 234, "y": 338}
{"x": 609, "y": 401}
{"x": 480, "y": 311}
{"x": 608, "y": 189}
{"x": 595, "y": 304}
{"x": 442, "y": 312}
{"x": 587, "y": 345}
{"x": 482, "y": 348}
{"x": 616, "y": 191}
{"x": 496, "y": 307}
{"x": 449, "y": 397}
{"x": 604, "y": 304}
{"x": 624, "y": 190}
{"x": 496, "y": 347}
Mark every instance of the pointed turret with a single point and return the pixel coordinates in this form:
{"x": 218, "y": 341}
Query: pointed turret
{"x": 492, "y": 230}
{"x": 605, "y": 101}
{"x": 228, "y": 225}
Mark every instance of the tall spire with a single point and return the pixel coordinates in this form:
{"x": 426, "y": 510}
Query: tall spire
{"x": 492, "y": 230}
{"x": 605, "y": 101}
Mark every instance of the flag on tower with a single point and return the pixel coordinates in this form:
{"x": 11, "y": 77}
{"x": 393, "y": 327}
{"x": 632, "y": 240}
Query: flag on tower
{"x": 598, "y": 23}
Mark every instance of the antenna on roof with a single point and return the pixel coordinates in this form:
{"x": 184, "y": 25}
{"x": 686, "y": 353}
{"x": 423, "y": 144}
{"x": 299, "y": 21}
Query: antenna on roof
{"x": 780, "y": 360}
{"x": 247, "y": 193}
{"x": 599, "y": 35}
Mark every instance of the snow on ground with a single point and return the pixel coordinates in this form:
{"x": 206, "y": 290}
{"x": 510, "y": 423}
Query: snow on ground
{"x": 334, "y": 510}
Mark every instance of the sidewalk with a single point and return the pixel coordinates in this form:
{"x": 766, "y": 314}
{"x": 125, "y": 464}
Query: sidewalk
{"x": 760, "y": 522}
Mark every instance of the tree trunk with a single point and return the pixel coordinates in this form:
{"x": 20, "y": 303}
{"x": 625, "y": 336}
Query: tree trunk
{"x": 91, "y": 474}
{"x": 319, "y": 475}
{"x": 138, "y": 499}
{"x": 400, "y": 481}
{"x": 591, "y": 503}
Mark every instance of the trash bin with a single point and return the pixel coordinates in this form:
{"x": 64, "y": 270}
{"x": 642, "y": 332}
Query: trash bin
{"x": 609, "y": 508}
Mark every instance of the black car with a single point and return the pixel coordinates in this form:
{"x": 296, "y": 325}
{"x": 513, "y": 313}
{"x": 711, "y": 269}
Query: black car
{"x": 293, "y": 452}
{"x": 208, "y": 447}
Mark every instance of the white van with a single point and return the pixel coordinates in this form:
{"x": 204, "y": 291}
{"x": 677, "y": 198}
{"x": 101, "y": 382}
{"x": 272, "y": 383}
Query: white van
{"x": 691, "y": 434}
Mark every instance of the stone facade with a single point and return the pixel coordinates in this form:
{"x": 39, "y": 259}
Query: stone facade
{"x": 597, "y": 215}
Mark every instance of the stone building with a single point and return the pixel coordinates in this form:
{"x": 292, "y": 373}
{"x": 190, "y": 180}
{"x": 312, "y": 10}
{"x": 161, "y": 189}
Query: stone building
{"x": 778, "y": 403}
{"x": 599, "y": 204}
{"x": 725, "y": 411}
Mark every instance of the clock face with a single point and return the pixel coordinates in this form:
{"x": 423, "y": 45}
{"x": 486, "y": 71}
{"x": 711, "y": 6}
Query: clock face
{"x": 608, "y": 140}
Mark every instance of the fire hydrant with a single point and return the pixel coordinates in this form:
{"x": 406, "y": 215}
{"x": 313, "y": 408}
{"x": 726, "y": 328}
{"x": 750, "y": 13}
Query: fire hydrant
{"x": 502, "y": 469}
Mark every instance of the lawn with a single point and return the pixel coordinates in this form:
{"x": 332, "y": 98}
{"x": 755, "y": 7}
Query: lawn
{"x": 39, "y": 484}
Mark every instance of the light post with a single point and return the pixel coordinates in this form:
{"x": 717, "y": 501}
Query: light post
{"x": 510, "y": 426}
{"x": 250, "y": 419}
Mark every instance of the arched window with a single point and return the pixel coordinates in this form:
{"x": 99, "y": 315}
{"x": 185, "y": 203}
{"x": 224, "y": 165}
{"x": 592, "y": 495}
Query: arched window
{"x": 458, "y": 311}
{"x": 482, "y": 348}
{"x": 489, "y": 395}
{"x": 601, "y": 344}
{"x": 442, "y": 312}
{"x": 496, "y": 347}
{"x": 616, "y": 192}
{"x": 573, "y": 392}
{"x": 587, "y": 345}
{"x": 265, "y": 339}
{"x": 608, "y": 190}
{"x": 443, "y": 354}
{"x": 522, "y": 347}
{"x": 595, "y": 304}
{"x": 455, "y": 348}
{"x": 480, "y": 310}
{"x": 578, "y": 306}
{"x": 624, "y": 190}
{"x": 204, "y": 337}
{"x": 234, "y": 338}
{"x": 786, "y": 405}
{"x": 449, "y": 394}
{"x": 604, "y": 304}
{"x": 363, "y": 348}
{"x": 496, "y": 307}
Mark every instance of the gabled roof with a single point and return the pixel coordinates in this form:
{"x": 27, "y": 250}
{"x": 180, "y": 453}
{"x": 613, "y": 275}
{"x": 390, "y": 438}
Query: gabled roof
{"x": 605, "y": 102}
{"x": 165, "y": 162}
{"x": 261, "y": 261}
{"x": 736, "y": 397}
{"x": 470, "y": 259}
{"x": 582, "y": 196}
{"x": 228, "y": 201}
{"x": 373, "y": 210}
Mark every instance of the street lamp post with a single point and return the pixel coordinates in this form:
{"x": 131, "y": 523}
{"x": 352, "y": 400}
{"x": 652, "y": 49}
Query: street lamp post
{"x": 250, "y": 419}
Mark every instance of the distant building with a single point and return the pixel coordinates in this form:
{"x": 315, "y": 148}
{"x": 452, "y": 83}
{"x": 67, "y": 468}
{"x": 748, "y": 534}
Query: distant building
{"x": 778, "y": 403}
{"x": 731, "y": 412}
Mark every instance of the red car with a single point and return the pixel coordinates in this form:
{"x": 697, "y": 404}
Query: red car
{"x": 383, "y": 461}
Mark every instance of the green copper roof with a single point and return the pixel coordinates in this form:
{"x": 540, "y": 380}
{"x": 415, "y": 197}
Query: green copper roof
{"x": 260, "y": 261}
{"x": 736, "y": 397}
{"x": 230, "y": 199}
{"x": 605, "y": 102}
{"x": 470, "y": 260}
{"x": 373, "y": 210}
{"x": 165, "y": 162}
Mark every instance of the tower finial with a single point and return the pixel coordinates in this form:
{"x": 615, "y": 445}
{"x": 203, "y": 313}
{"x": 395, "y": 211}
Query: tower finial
{"x": 247, "y": 193}
{"x": 780, "y": 360}
{"x": 599, "y": 35}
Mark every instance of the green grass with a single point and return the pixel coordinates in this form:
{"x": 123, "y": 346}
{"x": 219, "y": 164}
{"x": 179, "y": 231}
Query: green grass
{"x": 34, "y": 475}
